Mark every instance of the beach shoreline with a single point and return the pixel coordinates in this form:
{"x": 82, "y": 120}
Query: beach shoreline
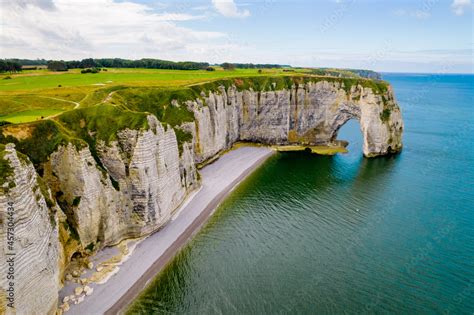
{"x": 153, "y": 253}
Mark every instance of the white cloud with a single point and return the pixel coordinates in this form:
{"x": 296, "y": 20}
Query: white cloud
{"x": 70, "y": 29}
{"x": 229, "y": 9}
{"x": 459, "y": 6}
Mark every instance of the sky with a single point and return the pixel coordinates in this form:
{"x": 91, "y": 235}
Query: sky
{"x": 388, "y": 36}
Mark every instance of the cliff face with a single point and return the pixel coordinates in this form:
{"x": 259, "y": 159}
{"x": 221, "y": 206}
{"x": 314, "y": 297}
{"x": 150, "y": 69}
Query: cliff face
{"x": 130, "y": 191}
{"x": 311, "y": 115}
{"x": 29, "y": 237}
{"x": 102, "y": 193}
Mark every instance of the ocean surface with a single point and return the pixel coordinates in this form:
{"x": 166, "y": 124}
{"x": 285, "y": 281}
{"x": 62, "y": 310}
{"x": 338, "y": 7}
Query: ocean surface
{"x": 344, "y": 234}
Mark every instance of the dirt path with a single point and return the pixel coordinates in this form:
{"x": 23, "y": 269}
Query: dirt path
{"x": 109, "y": 97}
{"x": 76, "y": 105}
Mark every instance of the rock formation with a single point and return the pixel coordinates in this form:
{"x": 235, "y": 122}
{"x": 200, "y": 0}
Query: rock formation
{"x": 97, "y": 193}
{"x": 29, "y": 236}
{"x": 310, "y": 115}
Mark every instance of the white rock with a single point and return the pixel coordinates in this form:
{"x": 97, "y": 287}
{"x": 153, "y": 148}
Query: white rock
{"x": 65, "y": 307}
{"x": 88, "y": 290}
{"x": 80, "y": 299}
{"x": 78, "y": 290}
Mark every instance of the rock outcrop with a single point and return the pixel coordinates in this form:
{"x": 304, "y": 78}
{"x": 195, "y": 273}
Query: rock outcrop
{"x": 130, "y": 191}
{"x": 97, "y": 193}
{"x": 29, "y": 254}
{"x": 311, "y": 114}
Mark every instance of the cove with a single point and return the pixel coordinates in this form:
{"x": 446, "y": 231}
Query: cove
{"x": 307, "y": 233}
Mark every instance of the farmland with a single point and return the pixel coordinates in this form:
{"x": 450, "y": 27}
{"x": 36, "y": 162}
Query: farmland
{"x": 38, "y": 94}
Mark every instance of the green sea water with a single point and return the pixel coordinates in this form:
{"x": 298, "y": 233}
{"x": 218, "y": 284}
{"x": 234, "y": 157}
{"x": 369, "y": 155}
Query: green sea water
{"x": 313, "y": 234}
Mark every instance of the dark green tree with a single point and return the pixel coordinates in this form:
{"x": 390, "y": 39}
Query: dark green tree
{"x": 57, "y": 65}
{"x": 88, "y": 63}
{"x": 228, "y": 66}
{"x": 8, "y": 65}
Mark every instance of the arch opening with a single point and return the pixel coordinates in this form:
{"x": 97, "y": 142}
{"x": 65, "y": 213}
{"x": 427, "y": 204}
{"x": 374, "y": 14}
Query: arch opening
{"x": 350, "y": 135}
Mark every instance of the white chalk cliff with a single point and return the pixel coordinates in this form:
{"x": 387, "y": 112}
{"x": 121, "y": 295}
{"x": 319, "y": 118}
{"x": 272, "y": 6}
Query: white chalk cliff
{"x": 33, "y": 257}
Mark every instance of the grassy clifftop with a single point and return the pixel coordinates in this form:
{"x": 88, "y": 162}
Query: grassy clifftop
{"x": 102, "y": 112}
{"x": 37, "y": 94}
{"x": 158, "y": 101}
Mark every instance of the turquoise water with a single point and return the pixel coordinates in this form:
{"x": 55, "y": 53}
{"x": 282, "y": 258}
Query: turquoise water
{"x": 344, "y": 234}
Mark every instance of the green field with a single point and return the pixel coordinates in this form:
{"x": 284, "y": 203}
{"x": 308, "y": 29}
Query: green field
{"x": 43, "y": 79}
{"x": 30, "y": 115}
{"x": 37, "y": 94}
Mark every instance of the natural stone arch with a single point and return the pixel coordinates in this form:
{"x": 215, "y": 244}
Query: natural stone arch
{"x": 329, "y": 109}
{"x": 305, "y": 114}
{"x": 345, "y": 113}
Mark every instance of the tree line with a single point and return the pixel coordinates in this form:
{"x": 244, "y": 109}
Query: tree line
{"x": 228, "y": 65}
{"x": 9, "y": 66}
{"x": 60, "y": 65}
{"x": 15, "y": 65}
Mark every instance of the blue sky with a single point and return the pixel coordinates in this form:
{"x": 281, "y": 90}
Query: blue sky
{"x": 402, "y": 36}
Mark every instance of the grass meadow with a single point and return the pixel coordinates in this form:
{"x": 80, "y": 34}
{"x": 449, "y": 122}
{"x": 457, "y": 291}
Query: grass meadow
{"x": 37, "y": 94}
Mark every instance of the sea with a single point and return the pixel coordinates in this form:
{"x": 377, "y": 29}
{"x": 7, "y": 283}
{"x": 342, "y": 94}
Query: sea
{"x": 309, "y": 234}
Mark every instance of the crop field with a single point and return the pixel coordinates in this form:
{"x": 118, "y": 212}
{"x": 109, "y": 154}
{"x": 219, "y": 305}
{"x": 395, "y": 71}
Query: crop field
{"x": 37, "y": 94}
{"x": 31, "y": 80}
{"x": 30, "y": 115}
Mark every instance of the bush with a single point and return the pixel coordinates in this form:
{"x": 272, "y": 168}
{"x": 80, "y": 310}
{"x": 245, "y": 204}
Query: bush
{"x": 91, "y": 70}
{"x": 385, "y": 115}
{"x": 76, "y": 201}
{"x": 7, "y": 77}
{"x": 210, "y": 69}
